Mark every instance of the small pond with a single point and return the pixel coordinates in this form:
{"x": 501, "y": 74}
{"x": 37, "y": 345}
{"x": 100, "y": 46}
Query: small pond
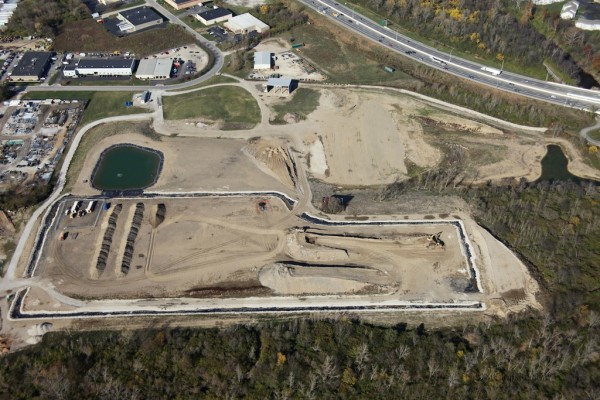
{"x": 554, "y": 166}
{"x": 127, "y": 167}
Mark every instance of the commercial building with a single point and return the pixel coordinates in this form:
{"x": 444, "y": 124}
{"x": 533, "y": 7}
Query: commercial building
{"x": 281, "y": 85}
{"x": 139, "y": 18}
{"x": 70, "y": 71}
{"x": 263, "y": 60}
{"x": 214, "y": 16}
{"x": 102, "y": 67}
{"x": 32, "y": 66}
{"x": 154, "y": 68}
{"x": 246, "y": 23}
{"x": 181, "y": 4}
{"x": 569, "y": 10}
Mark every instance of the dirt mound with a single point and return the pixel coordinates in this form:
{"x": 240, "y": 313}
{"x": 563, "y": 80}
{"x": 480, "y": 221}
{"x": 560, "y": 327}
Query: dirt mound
{"x": 284, "y": 279}
{"x": 275, "y": 157}
{"x": 158, "y": 217}
{"x": 133, "y": 232}
{"x": 108, "y": 238}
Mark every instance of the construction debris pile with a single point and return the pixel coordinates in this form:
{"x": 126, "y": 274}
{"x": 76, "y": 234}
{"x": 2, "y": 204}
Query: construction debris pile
{"x": 107, "y": 239}
{"x": 133, "y": 232}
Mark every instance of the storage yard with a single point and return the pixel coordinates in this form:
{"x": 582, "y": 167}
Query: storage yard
{"x": 34, "y": 135}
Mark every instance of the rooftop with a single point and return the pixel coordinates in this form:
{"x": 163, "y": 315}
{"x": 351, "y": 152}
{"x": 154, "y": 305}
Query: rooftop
{"x": 247, "y": 20}
{"x": 105, "y": 63}
{"x": 140, "y": 15}
{"x": 214, "y": 13}
{"x": 262, "y": 57}
{"x": 279, "y": 82}
{"x": 33, "y": 63}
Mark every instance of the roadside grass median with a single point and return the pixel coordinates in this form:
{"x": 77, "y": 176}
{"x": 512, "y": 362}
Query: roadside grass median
{"x": 233, "y": 106}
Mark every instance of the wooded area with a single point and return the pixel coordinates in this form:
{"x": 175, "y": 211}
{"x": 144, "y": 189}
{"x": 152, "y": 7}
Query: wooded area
{"x": 555, "y": 354}
{"x": 498, "y": 30}
{"x": 44, "y": 17}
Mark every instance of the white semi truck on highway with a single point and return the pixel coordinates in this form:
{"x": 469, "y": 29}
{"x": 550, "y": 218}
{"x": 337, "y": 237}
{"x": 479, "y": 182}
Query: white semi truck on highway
{"x": 493, "y": 71}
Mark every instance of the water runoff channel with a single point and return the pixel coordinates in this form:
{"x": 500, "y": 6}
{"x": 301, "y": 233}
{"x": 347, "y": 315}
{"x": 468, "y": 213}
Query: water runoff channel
{"x": 266, "y": 305}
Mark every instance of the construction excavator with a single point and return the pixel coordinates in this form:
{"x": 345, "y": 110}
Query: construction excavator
{"x": 435, "y": 241}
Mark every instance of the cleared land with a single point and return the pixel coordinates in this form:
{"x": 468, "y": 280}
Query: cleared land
{"x": 232, "y": 106}
{"x": 254, "y": 245}
{"x": 88, "y": 35}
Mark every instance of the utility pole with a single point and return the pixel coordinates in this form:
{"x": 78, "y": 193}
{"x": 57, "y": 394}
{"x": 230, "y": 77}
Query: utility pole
{"x": 502, "y": 68}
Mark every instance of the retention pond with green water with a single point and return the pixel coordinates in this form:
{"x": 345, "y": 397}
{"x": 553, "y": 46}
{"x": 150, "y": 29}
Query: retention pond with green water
{"x": 127, "y": 167}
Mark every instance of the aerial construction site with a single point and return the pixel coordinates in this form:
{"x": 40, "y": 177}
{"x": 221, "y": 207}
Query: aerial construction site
{"x": 229, "y": 226}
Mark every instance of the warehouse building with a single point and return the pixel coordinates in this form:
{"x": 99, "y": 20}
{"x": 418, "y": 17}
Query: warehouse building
{"x": 137, "y": 19}
{"x": 263, "y": 60}
{"x": 281, "y": 86}
{"x": 70, "y": 71}
{"x": 246, "y": 23}
{"x": 214, "y": 16}
{"x": 154, "y": 68}
{"x": 103, "y": 67}
{"x": 32, "y": 66}
{"x": 182, "y": 4}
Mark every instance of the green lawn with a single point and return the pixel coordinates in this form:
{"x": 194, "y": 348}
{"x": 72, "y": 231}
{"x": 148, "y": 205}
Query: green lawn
{"x": 212, "y": 81}
{"x": 101, "y": 105}
{"x": 232, "y": 105}
{"x": 303, "y": 102}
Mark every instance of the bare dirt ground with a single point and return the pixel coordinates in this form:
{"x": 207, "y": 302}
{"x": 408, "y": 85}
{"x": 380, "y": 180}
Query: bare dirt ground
{"x": 254, "y": 249}
{"x": 190, "y": 164}
{"x": 229, "y": 245}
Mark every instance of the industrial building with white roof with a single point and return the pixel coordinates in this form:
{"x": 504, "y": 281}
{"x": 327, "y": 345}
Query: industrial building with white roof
{"x": 100, "y": 67}
{"x": 245, "y": 23}
{"x": 154, "y": 68}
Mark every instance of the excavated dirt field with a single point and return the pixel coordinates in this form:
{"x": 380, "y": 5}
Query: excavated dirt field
{"x": 254, "y": 245}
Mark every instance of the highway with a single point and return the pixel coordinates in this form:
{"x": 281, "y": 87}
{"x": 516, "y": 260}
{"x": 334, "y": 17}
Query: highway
{"x": 564, "y": 95}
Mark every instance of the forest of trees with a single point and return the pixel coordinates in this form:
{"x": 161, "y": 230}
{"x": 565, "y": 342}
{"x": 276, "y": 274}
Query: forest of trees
{"x": 554, "y": 354}
{"x": 498, "y": 30}
{"x": 44, "y": 17}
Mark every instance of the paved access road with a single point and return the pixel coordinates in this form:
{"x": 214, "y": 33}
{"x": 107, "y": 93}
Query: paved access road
{"x": 550, "y": 92}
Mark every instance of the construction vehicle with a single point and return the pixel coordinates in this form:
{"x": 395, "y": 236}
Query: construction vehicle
{"x": 435, "y": 240}
{"x": 90, "y": 207}
{"x": 63, "y": 235}
{"x": 493, "y": 71}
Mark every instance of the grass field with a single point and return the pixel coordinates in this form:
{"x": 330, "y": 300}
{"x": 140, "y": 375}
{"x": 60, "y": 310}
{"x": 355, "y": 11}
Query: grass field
{"x": 342, "y": 61}
{"x": 212, "y": 81}
{"x": 303, "y": 102}
{"x": 595, "y": 134}
{"x": 232, "y": 105}
{"x": 101, "y": 105}
{"x": 87, "y": 35}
